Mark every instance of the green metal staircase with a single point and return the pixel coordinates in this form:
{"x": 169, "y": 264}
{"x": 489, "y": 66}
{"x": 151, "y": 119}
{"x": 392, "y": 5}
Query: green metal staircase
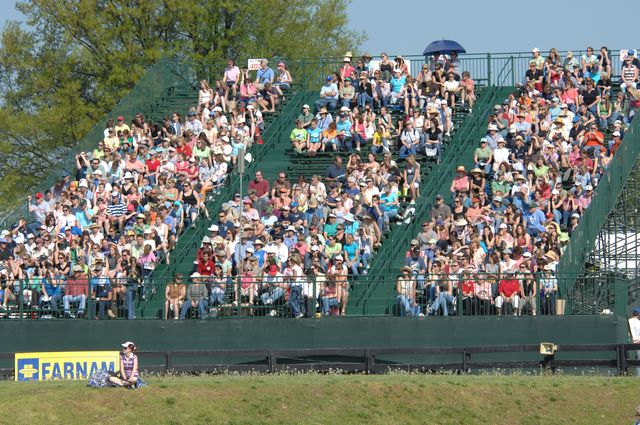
{"x": 375, "y": 289}
{"x": 269, "y": 157}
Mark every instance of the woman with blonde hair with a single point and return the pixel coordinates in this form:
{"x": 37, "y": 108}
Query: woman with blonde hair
{"x": 205, "y": 94}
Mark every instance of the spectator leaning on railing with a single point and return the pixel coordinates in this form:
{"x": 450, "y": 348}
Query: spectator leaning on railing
{"x": 497, "y": 246}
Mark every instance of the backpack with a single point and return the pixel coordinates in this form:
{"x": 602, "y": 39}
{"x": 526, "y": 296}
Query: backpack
{"x": 99, "y": 379}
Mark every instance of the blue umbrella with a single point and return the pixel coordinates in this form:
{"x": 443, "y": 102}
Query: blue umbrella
{"x": 444, "y": 47}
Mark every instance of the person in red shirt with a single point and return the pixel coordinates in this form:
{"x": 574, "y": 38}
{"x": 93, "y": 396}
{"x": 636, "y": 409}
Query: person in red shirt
{"x": 509, "y": 290}
{"x": 184, "y": 149}
{"x": 76, "y": 290}
{"x": 593, "y": 140}
{"x": 259, "y": 184}
{"x": 206, "y": 265}
{"x": 152, "y": 165}
{"x": 183, "y": 165}
{"x": 468, "y": 300}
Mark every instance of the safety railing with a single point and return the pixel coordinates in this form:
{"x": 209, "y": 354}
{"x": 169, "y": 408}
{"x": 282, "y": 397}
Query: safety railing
{"x": 314, "y": 295}
{"x": 604, "y": 200}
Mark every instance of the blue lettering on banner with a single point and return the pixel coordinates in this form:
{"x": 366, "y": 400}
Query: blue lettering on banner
{"x": 68, "y": 370}
{"x": 28, "y": 369}
{"x": 56, "y": 371}
{"x": 81, "y": 370}
{"x": 45, "y": 371}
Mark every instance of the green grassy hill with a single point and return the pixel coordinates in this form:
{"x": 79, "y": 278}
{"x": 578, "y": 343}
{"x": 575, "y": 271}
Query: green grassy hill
{"x": 329, "y": 399}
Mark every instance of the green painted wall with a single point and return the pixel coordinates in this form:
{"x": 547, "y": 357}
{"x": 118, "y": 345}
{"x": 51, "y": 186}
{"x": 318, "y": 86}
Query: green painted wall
{"x": 350, "y": 332}
{"x": 309, "y": 333}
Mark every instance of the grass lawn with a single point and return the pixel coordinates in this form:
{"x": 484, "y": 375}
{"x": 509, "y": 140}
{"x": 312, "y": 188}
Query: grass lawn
{"x": 328, "y": 399}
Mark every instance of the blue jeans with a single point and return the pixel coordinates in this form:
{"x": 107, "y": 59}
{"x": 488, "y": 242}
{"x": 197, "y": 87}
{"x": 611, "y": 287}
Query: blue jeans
{"x": 376, "y": 150}
{"x": 407, "y": 307}
{"x": 80, "y": 299}
{"x": 53, "y": 302}
{"x": 202, "y": 308}
{"x": 430, "y": 292}
{"x": 330, "y": 104}
{"x": 442, "y": 300}
{"x": 216, "y": 298}
{"x": 294, "y": 300}
{"x": 364, "y": 98}
{"x": 272, "y": 296}
{"x": 360, "y": 141}
{"x": 131, "y": 301}
{"x": 405, "y": 151}
{"x": 101, "y": 306}
{"x": 327, "y": 303}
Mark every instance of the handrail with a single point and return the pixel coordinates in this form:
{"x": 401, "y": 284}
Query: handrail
{"x": 604, "y": 200}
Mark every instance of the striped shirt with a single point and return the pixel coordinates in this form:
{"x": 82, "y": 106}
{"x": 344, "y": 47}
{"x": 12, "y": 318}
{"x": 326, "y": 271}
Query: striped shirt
{"x": 117, "y": 210}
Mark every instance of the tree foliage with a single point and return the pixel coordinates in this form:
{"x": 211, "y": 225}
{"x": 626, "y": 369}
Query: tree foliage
{"x": 71, "y": 61}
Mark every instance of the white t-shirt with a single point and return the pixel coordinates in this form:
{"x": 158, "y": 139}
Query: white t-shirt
{"x": 634, "y": 328}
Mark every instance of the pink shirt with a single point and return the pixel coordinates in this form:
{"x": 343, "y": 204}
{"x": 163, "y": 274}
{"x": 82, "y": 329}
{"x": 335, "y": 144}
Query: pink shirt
{"x": 232, "y": 74}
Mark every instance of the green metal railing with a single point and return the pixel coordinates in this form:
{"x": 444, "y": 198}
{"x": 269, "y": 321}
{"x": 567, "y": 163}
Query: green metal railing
{"x": 461, "y": 294}
{"x": 604, "y": 200}
{"x": 182, "y": 255}
{"x": 459, "y": 151}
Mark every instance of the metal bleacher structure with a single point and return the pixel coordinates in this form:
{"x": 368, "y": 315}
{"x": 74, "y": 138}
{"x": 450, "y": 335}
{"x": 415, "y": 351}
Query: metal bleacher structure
{"x": 599, "y": 265}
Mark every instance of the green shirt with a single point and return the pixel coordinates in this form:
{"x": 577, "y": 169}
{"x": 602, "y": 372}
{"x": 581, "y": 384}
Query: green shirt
{"x": 540, "y": 171}
{"x": 202, "y": 153}
{"x": 483, "y": 153}
{"x": 298, "y": 134}
{"x": 504, "y": 187}
{"x": 330, "y": 251}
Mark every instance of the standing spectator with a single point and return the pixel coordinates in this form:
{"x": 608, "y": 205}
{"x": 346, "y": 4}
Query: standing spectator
{"x": 548, "y": 290}
{"x": 634, "y": 330}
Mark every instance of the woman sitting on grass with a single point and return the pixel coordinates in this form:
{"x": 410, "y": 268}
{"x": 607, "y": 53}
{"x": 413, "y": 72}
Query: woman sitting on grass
{"x": 128, "y": 375}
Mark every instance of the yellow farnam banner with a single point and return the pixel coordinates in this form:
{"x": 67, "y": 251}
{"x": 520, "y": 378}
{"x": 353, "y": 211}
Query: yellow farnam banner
{"x": 63, "y": 365}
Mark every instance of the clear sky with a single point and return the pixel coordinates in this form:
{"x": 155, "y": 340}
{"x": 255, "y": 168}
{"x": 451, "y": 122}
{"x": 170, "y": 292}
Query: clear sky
{"x": 407, "y": 26}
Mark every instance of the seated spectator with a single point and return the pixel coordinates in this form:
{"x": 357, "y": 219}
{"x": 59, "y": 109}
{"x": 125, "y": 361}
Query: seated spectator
{"x": 174, "y": 297}
{"x": 406, "y": 290}
{"x": 76, "y": 291}
{"x": 328, "y": 96}
{"x": 196, "y": 297}
{"x": 347, "y": 93}
{"x": 299, "y": 138}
